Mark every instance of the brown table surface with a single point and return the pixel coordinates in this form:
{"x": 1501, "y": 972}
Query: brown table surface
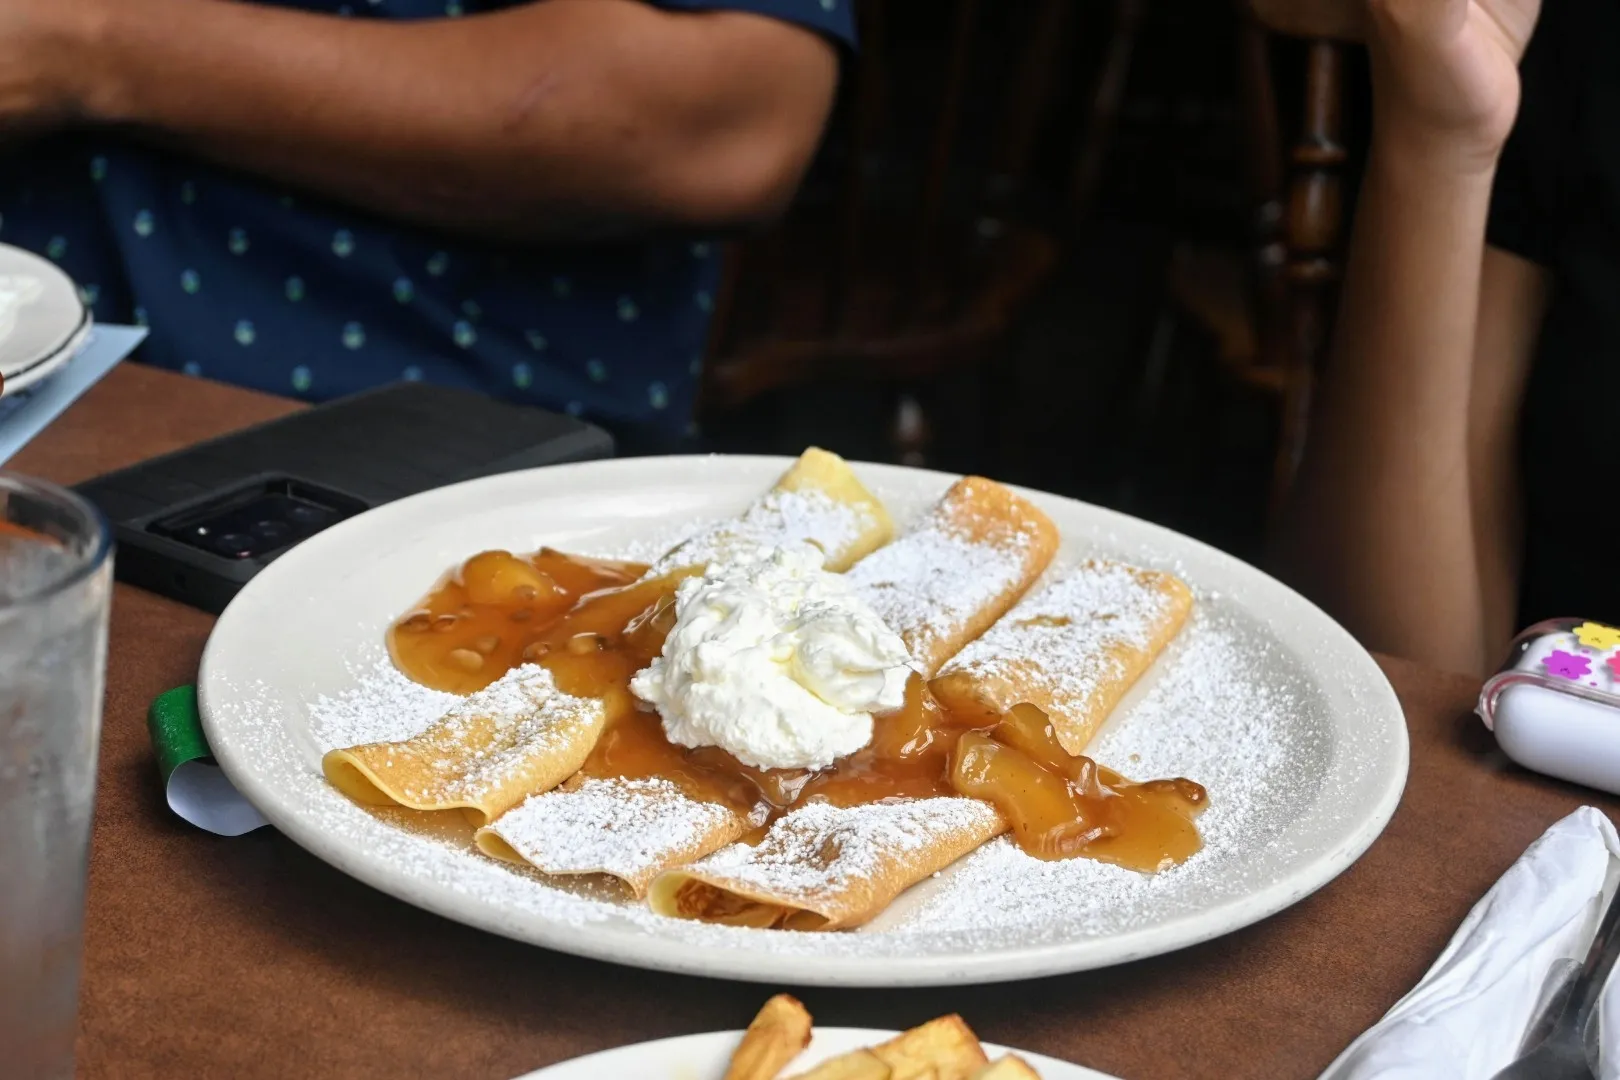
{"x": 211, "y": 957}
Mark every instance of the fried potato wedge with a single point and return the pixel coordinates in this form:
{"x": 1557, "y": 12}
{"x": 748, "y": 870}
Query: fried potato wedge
{"x": 945, "y": 1048}
{"x": 942, "y": 1049}
{"x": 856, "y": 1065}
{"x": 1007, "y": 1068}
{"x": 779, "y": 1031}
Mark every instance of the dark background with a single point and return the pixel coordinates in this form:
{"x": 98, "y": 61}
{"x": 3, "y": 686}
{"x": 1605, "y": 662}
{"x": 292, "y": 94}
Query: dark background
{"x": 1104, "y": 387}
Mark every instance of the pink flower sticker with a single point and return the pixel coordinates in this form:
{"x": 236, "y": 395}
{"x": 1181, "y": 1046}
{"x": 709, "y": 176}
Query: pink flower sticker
{"x": 1614, "y": 664}
{"x": 1567, "y": 665}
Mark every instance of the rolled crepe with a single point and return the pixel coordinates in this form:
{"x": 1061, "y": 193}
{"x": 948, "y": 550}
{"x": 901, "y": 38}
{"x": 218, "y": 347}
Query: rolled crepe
{"x": 627, "y": 829}
{"x": 818, "y": 501}
{"x": 1072, "y": 648}
{"x": 824, "y": 867}
{"x": 634, "y": 828}
{"x": 958, "y": 569}
{"x": 517, "y": 736}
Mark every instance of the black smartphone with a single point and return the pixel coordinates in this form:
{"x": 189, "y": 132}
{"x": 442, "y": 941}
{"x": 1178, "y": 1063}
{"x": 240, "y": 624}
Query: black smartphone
{"x": 197, "y": 524}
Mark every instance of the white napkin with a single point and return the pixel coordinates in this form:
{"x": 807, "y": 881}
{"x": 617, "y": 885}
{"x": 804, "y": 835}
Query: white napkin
{"x": 1468, "y": 1015}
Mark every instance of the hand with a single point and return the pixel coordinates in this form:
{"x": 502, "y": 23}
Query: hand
{"x": 43, "y": 57}
{"x": 1446, "y": 72}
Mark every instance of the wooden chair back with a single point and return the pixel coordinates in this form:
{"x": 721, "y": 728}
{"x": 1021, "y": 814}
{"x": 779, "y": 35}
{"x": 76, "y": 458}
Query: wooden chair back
{"x": 1297, "y": 193}
{"x": 909, "y": 255}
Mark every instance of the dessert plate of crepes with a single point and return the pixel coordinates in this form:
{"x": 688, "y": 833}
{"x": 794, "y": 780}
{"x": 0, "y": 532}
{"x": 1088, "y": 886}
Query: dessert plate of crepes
{"x": 802, "y": 721}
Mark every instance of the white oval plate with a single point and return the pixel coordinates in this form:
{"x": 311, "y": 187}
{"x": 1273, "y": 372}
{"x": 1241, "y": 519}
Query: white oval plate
{"x": 42, "y": 319}
{"x": 704, "y": 1057}
{"x": 1262, "y": 698}
{"x": 23, "y": 380}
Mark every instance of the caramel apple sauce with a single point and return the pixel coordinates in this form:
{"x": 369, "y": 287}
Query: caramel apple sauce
{"x": 593, "y": 623}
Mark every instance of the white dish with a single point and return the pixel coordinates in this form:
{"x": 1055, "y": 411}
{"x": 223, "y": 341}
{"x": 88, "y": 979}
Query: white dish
{"x": 24, "y": 380}
{"x": 704, "y": 1057}
{"x": 1264, "y": 699}
{"x": 42, "y": 320}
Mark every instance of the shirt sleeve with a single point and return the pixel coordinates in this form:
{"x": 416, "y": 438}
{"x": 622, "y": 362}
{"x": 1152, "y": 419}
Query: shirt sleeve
{"x": 1529, "y": 208}
{"x": 835, "y": 19}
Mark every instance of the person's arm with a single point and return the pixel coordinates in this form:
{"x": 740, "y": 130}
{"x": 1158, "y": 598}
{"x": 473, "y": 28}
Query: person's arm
{"x": 1403, "y": 520}
{"x": 558, "y": 117}
{"x": 1513, "y": 297}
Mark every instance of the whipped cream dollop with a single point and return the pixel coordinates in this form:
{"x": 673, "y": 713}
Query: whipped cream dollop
{"x": 776, "y": 661}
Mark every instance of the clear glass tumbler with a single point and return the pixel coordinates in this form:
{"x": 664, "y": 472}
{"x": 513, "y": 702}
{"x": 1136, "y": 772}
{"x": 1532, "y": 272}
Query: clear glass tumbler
{"x": 55, "y": 582}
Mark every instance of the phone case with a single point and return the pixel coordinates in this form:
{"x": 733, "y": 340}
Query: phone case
{"x": 1554, "y": 705}
{"x": 348, "y": 455}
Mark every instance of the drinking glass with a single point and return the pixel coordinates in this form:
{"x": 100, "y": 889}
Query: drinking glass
{"x": 55, "y": 581}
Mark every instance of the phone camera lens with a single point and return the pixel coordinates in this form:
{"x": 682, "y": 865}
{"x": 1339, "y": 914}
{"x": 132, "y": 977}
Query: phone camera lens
{"x": 305, "y": 514}
{"x": 272, "y": 530}
{"x": 236, "y": 545}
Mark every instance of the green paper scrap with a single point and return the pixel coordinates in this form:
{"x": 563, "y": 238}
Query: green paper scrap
{"x": 175, "y": 725}
{"x": 195, "y": 786}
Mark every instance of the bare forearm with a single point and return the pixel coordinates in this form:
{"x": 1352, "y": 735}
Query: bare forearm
{"x": 1513, "y": 299}
{"x": 1381, "y": 528}
{"x": 566, "y": 116}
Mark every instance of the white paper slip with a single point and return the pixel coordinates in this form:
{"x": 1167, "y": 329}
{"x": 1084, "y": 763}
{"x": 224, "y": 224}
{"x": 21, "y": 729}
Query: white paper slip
{"x": 24, "y": 415}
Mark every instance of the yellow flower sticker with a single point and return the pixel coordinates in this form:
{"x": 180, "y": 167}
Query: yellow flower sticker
{"x": 1596, "y": 636}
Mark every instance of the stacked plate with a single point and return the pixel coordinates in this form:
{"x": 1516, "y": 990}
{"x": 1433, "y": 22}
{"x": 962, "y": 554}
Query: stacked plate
{"x": 43, "y": 322}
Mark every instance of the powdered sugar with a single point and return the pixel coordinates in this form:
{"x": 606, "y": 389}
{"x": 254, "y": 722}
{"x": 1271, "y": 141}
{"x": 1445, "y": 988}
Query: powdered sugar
{"x": 382, "y": 705}
{"x": 652, "y": 545}
{"x": 1223, "y": 706}
{"x": 621, "y": 827}
{"x": 532, "y": 719}
{"x": 820, "y": 850}
{"x": 779, "y": 519}
{"x": 1273, "y": 710}
{"x": 488, "y": 740}
{"x": 1070, "y": 630}
{"x": 510, "y": 699}
{"x": 930, "y": 581}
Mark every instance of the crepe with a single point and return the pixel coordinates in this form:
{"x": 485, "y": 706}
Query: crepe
{"x": 518, "y": 735}
{"x": 1071, "y": 648}
{"x": 818, "y": 501}
{"x": 958, "y": 569}
{"x": 522, "y": 736}
{"x": 632, "y": 829}
{"x": 626, "y": 829}
{"x": 939, "y": 586}
{"x": 824, "y": 867}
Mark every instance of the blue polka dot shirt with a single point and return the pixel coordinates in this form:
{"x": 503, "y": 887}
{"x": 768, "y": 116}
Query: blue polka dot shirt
{"x": 245, "y": 282}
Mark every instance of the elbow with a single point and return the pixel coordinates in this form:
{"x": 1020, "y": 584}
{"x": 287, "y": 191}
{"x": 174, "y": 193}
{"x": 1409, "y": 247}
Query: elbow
{"x": 761, "y": 185}
{"x": 719, "y": 118}
{"x": 745, "y": 178}
{"x": 745, "y": 148}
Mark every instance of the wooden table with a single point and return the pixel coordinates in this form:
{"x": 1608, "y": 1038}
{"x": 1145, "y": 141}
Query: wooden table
{"x": 212, "y": 957}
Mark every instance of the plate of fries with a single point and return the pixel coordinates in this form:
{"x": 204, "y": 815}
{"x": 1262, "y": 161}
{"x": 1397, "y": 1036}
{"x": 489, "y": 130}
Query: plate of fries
{"x": 782, "y": 1044}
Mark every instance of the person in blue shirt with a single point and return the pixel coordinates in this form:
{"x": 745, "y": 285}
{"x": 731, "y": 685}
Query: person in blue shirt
{"x": 314, "y": 197}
